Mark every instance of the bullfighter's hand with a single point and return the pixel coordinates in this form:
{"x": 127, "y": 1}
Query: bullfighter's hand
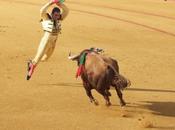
{"x": 57, "y": 1}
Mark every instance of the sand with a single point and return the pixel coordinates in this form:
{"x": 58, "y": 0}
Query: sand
{"x": 140, "y": 34}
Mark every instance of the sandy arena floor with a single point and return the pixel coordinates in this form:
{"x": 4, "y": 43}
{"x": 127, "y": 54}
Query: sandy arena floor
{"x": 140, "y": 34}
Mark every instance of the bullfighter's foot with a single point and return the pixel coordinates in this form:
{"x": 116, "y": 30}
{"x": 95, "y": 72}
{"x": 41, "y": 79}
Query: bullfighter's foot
{"x": 30, "y": 69}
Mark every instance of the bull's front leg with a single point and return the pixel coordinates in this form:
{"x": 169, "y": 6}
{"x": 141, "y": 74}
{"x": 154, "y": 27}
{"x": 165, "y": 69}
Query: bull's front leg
{"x": 89, "y": 94}
{"x": 119, "y": 93}
{"x": 102, "y": 88}
{"x": 108, "y": 103}
{"x": 92, "y": 99}
{"x": 106, "y": 97}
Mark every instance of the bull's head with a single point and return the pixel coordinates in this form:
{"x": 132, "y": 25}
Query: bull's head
{"x": 92, "y": 49}
{"x": 77, "y": 57}
{"x": 74, "y": 57}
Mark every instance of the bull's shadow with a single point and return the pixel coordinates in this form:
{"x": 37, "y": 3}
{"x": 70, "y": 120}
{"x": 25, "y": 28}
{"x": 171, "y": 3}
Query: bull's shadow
{"x": 79, "y": 84}
{"x": 161, "y": 108}
{"x": 157, "y": 108}
{"x": 67, "y": 84}
{"x": 150, "y": 90}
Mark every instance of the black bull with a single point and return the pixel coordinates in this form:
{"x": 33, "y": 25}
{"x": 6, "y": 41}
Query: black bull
{"x": 99, "y": 73}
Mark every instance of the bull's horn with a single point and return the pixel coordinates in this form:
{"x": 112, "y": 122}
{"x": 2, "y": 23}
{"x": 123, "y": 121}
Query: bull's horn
{"x": 71, "y": 57}
{"x": 70, "y": 53}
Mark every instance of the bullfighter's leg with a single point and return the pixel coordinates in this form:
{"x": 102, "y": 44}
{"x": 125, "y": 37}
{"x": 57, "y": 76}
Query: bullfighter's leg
{"x": 50, "y": 50}
{"x": 43, "y": 47}
{"x": 120, "y": 95}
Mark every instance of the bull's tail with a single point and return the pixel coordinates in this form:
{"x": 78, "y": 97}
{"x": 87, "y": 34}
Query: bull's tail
{"x": 121, "y": 82}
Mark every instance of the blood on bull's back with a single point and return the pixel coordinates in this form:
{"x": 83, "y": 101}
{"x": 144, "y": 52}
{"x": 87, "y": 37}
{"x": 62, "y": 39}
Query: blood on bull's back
{"x": 94, "y": 64}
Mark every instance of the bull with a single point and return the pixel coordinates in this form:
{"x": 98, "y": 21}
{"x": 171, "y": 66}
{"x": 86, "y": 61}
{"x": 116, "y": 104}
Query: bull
{"x": 99, "y": 72}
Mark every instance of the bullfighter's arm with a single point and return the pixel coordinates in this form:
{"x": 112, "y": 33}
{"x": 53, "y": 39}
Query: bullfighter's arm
{"x": 65, "y": 10}
{"x": 43, "y": 10}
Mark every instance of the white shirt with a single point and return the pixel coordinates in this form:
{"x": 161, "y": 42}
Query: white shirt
{"x": 48, "y": 25}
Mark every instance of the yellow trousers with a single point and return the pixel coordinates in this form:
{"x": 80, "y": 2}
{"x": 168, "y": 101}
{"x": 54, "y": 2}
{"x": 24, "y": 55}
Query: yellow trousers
{"x": 46, "y": 47}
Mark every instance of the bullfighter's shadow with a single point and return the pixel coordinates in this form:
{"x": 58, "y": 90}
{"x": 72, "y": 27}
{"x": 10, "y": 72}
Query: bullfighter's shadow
{"x": 160, "y": 108}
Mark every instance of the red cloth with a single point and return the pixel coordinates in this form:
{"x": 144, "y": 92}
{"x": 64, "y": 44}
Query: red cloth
{"x": 79, "y": 70}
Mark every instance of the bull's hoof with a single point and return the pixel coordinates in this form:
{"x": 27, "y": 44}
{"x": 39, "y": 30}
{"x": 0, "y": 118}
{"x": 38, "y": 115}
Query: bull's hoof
{"x": 96, "y": 102}
{"x": 108, "y": 104}
{"x": 108, "y": 93}
{"x": 122, "y": 103}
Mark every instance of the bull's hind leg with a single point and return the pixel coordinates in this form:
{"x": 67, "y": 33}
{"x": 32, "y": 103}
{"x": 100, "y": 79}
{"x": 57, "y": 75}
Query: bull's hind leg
{"x": 120, "y": 95}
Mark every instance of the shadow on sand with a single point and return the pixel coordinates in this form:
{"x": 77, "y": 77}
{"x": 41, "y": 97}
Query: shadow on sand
{"x": 161, "y": 108}
{"x": 64, "y": 84}
{"x": 158, "y": 108}
{"x": 165, "y": 128}
{"x": 151, "y": 90}
{"x": 128, "y": 89}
